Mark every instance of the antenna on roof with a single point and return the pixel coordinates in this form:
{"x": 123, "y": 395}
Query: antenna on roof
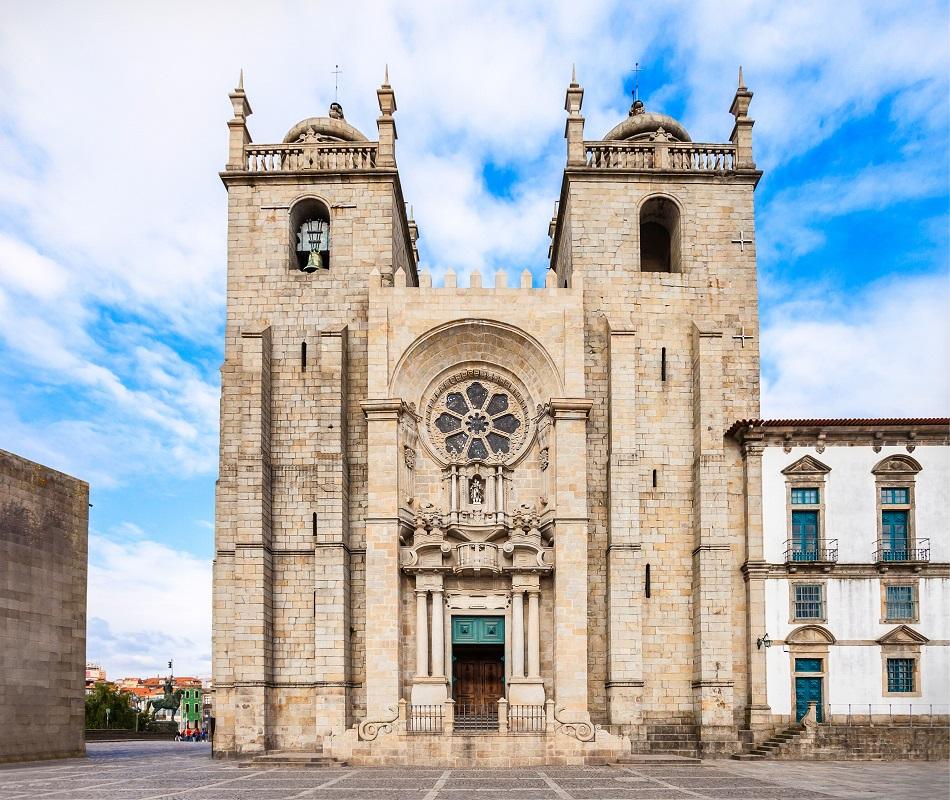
{"x": 336, "y": 82}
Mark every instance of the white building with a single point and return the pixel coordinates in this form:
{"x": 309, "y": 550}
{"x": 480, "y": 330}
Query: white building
{"x": 849, "y": 570}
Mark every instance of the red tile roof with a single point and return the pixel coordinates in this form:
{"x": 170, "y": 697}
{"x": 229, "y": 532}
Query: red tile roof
{"x": 884, "y": 422}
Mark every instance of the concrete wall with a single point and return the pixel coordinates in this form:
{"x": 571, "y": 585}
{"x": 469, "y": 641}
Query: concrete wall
{"x": 44, "y": 522}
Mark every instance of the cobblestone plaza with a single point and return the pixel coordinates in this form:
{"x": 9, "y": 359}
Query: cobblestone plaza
{"x": 169, "y": 771}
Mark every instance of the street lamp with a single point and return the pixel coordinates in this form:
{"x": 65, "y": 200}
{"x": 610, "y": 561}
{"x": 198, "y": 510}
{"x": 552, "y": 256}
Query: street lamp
{"x": 108, "y": 714}
{"x": 763, "y": 641}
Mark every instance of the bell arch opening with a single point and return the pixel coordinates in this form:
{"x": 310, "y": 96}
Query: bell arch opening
{"x": 309, "y": 235}
{"x": 660, "y": 236}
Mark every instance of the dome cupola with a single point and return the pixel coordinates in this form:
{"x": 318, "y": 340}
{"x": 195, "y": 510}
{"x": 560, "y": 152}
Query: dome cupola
{"x": 643, "y": 125}
{"x": 331, "y": 128}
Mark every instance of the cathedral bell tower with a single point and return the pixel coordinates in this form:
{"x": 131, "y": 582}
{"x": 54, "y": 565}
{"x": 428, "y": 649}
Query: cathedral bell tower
{"x": 660, "y": 232}
{"x": 309, "y": 220}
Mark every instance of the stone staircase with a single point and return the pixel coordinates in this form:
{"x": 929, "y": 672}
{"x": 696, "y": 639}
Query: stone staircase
{"x": 768, "y": 748}
{"x": 673, "y": 740}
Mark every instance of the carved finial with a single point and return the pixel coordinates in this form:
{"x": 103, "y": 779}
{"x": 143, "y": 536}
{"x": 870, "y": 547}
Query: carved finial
{"x": 240, "y": 86}
{"x": 525, "y": 279}
{"x": 411, "y": 215}
{"x": 741, "y": 81}
{"x": 475, "y": 279}
{"x": 573, "y": 75}
{"x": 386, "y": 76}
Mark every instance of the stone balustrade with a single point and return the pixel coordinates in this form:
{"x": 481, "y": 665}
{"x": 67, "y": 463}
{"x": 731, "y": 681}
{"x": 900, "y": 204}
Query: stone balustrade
{"x": 476, "y": 556}
{"x": 335, "y": 157}
{"x": 674, "y": 156}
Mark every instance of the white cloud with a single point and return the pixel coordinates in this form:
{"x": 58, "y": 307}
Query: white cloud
{"x": 882, "y": 352}
{"x": 148, "y": 603}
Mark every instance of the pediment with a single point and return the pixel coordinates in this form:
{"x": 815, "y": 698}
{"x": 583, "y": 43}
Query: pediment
{"x": 810, "y": 634}
{"x": 807, "y": 465}
{"x": 897, "y": 465}
{"x": 903, "y": 635}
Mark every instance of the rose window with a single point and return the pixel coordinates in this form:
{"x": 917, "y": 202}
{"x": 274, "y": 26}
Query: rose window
{"x": 477, "y": 418}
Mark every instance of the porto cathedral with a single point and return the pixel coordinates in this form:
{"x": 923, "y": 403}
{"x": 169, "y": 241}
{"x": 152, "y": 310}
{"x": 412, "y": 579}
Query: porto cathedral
{"x": 492, "y": 510}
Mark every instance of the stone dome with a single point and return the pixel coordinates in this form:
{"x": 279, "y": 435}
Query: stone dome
{"x": 332, "y": 128}
{"x": 642, "y": 125}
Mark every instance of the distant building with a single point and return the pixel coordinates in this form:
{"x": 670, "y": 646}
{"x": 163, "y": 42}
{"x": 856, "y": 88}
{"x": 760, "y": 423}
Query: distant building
{"x": 191, "y": 708}
{"x": 44, "y": 527}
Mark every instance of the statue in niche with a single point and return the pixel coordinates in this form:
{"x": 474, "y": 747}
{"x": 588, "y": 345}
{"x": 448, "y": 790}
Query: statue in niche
{"x": 476, "y": 491}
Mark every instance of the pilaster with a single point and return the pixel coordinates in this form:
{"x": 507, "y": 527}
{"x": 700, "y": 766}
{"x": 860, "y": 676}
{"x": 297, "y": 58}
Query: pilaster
{"x": 570, "y": 556}
{"x": 624, "y": 567}
{"x": 331, "y": 589}
{"x": 755, "y": 571}
{"x": 382, "y": 559}
{"x": 712, "y": 574}
{"x": 252, "y": 643}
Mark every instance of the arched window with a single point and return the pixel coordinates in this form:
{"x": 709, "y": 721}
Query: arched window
{"x": 659, "y": 236}
{"x": 310, "y": 235}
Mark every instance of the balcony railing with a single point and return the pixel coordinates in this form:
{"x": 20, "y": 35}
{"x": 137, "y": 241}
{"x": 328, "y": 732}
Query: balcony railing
{"x": 891, "y": 715}
{"x": 677, "y": 156}
{"x": 476, "y": 556}
{"x": 889, "y": 552}
{"x": 336, "y": 157}
{"x": 799, "y": 552}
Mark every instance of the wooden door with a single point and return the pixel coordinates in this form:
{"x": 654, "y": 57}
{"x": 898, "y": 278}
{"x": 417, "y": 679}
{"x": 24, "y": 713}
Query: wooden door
{"x": 478, "y": 678}
{"x": 806, "y": 690}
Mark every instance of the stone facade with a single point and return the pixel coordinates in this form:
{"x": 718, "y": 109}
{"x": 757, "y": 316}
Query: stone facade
{"x": 44, "y": 522}
{"x": 409, "y": 471}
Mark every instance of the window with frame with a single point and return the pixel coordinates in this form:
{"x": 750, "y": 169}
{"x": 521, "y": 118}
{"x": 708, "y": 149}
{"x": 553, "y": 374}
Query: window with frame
{"x": 900, "y": 675}
{"x": 805, "y": 535}
{"x": 808, "y": 601}
{"x": 900, "y": 603}
{"x": 805, "y": 496}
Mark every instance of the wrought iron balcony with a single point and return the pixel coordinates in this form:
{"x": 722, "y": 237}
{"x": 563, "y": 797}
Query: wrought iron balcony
{"x": 902, "y": 553}
{"x": 805, "y": 553}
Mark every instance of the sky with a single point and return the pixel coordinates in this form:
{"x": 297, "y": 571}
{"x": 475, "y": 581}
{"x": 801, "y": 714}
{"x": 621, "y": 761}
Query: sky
{"x": 112, "y": 215}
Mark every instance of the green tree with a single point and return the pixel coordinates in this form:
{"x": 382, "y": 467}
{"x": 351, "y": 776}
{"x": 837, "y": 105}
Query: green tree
{"x": 104, "y": 698}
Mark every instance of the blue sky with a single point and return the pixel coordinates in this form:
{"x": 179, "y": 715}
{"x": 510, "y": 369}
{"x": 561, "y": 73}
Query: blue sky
{"x": 112, "y": 216}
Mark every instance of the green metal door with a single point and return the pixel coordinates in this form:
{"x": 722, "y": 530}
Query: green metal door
{"x": 478, "y": 630}
{"x": 808, "y": 690}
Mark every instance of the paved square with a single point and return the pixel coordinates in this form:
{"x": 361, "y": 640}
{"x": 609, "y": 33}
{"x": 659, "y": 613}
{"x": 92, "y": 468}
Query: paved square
{"x": 185, "y": 771}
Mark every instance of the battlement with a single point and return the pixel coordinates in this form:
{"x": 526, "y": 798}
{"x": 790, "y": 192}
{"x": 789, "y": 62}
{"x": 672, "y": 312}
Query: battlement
{"x": 401, "y": 281}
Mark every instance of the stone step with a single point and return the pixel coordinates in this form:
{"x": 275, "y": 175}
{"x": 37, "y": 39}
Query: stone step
{"x": 671, "y": 729}
{"x": 747, "y": 757}
{"x": 667, "y": 759}
{"x": 292, "y": 759}
{"x": 663, "y": 737}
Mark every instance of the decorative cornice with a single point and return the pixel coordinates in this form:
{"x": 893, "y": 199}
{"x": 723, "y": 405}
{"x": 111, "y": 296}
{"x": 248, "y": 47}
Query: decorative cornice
{"x": 894, "y": 432}
{"x": 570, "y": 407}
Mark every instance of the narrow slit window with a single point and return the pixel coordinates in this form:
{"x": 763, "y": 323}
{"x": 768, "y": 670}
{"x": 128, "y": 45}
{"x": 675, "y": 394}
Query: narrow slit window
{"x": 314, "y": 523}
{"x": 654, "y": 479}
{"x": 663, "y": 364}
{"x": 646, "y": 581}
{"x": 303, "y": 356}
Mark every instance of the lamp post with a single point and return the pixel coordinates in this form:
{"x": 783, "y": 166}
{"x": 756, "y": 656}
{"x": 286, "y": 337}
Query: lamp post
{"x": 108, "y": 714}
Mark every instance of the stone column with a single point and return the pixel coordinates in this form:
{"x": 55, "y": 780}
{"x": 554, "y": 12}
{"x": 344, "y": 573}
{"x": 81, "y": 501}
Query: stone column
{"x": 438, "y": 635}
{"x": 570, "y": 556}
{"x": 422, "y": 634}
{"x": 382, "y": 668}
{"x": 534, "y": 635}
{"x": 517, "y": 633}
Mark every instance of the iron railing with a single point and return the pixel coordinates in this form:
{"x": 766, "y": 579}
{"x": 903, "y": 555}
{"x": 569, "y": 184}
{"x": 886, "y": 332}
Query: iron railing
{"x": 424, "y": 719}
{"x": 890, "y": 552}
{"x": 471, "y": 717}
{"x": 898, "y": 715}
{"x": 799, "y": 552}
{"x": 526, "y": 719}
